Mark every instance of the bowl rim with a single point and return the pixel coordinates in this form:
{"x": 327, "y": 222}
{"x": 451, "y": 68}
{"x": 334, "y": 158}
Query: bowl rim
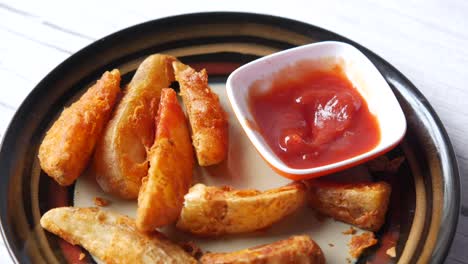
{"x": 451, "y": 177}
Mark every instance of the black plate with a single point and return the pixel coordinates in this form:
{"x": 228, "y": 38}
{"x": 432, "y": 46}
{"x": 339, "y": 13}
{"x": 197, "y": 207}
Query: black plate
{"x": 430, "y": 196}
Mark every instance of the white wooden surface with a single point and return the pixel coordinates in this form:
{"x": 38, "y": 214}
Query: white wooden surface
{"x": 426, "y": 40}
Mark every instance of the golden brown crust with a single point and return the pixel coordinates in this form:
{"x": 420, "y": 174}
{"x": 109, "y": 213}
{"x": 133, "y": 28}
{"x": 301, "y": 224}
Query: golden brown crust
{"x": 111, "y": 237}
{"x": 171, "y": 162}
{"x": 207, "y": 118}
{"x": 359, "y": 243}
{"x": 120, "y": 160}
{"x": 68, "y": 145}
{"x": 213, "y": 211}
{"x": 360, "y": 204}
{"x": 294, "y": 250}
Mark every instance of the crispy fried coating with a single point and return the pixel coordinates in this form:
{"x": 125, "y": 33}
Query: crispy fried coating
{"x": 359, "y": 243}
{"x": 112, "y": 237}
{"x": 68, "y": 145}
{"x": 360, "y": 204}
{"x": 207, "y": 118}
{"x": 213, "y": 211}
{"x": 171, "y": 160}
{"x": 294, "y": 250}
{"x": 120, "y": 161}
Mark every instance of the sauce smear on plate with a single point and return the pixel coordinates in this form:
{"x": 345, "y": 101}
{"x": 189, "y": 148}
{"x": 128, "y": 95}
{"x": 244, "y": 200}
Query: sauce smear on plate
{"x": 311, "y": 118}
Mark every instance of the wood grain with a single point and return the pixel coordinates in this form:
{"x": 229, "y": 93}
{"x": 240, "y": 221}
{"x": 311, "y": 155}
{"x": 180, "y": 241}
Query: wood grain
{"x": 425, "y": 40}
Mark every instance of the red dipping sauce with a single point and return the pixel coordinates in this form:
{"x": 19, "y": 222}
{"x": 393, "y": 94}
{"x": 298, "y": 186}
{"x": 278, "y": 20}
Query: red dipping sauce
{"x": 312, "y": 117}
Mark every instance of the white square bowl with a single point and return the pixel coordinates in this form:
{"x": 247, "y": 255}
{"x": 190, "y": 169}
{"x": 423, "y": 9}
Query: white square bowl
{"x": 357, "y": 68}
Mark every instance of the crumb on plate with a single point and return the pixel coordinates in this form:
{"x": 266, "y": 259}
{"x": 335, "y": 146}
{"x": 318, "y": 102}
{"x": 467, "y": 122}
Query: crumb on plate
{"x": 384, "y": 164}
{"x": 191, "y": 248}
{"x": 350, "y": 231}
{"x": 395, "y": 164}
{"x": 359, "y": 243}
{"x": 98, "y": 201}
{"x": 391, "y": 252}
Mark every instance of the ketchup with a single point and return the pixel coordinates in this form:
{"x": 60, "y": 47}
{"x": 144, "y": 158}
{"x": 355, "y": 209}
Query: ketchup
{"x": 312, "y": 117}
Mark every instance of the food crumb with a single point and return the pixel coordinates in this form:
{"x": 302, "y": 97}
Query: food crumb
{"x": 331, "y": 245}
{"x": 395, "y": 164}
{"x": 350, "y": 231}
{"x": 101, "y": 202}
{"x": 384, "y": 164}
{"x": 378, "y": 164}
{"x": 191, "y": 248}
{"x": 348, "y": 260}
{"x": 359, "y": 243}
{"x": 82, "y": 256}
{"x": 391, "y": 252}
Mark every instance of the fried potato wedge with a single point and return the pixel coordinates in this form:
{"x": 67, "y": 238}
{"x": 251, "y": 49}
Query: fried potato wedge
{"x": 171, "y": 160}
{"x": 112, "y": 237}
{"x": 68, "y": 145}
{"x": 294, "y": 250}
{"x": 207, "y": 118}
{"x": 360, "y": 204}
{"x": 213, "y": 211}
{"x": 120, "y": 161}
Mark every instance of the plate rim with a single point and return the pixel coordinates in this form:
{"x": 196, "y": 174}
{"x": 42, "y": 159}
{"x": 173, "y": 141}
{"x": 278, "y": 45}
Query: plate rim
{"x": 450, "y": 208}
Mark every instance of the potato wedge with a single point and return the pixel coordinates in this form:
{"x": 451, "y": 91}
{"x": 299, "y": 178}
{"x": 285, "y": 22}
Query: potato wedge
{"x": 171, "y": 160}
{"x": 112, "y": 237}
{"x": 360, "y": 204}
{"x": 68, "y": 145}
{"x": 120, "y": 161}
{"x": 213, "y": 211}
{"x": 207, "y": 118}
{"x": 294, "y": 250}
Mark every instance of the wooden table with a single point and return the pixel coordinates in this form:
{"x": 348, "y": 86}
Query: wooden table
{"x": 426, "y": 40}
